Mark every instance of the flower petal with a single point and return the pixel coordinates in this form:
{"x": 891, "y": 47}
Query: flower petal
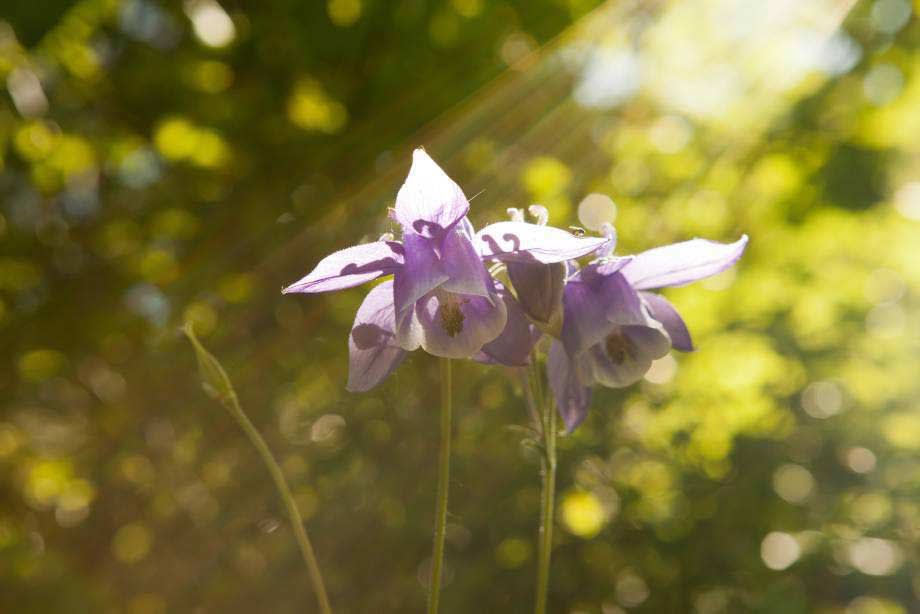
{"x": 539, "y": 290}
{"x": 461, "y": 263}
{"x": 681, "y": 263}
{"x": 429, "y": 202}
{"x": 458, "y": 325}
{"x": 626, "y": 355}
{"x": 421, "y": 273}
{"x": 523, "y": 242}
{"x": 663, "y": 311}
{"x": 350, "y": 267}
{"x": 512, "y": 347}
{"x": 372, "y": 350}
{"x": 572, "y": 396}
{"x": 593, "y": 304}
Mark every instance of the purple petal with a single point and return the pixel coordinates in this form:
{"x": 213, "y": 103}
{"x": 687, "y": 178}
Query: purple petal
{"x": 625, "y": 355}
{"x": 409, "y": 331}
{"x": 663, "y": 311}
{"x": 681, "y": 263}
{"x": 457, "y": 325}
{"x": 429, "y": 202}
{"x": 523, "y": 242}
{"x": 461, "y": 263}
{"x": 350, "y": 267}
{"x": 421, "y": 273}
{"x": 372, "y": 350}
{"x": 539, "y": 290}
{"x": 572, "y": 396}
{"x": 593, "y": 304}
{"x": 512, "y": 347}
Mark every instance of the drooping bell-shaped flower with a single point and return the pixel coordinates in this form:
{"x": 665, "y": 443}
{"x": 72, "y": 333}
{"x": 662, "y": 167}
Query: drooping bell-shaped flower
{"x": 441, "y": 298}
{"x": 613, "y": 330}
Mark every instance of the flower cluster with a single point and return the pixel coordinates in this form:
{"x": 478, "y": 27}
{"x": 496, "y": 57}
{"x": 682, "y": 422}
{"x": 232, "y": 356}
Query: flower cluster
{"x": 604, "y": 327}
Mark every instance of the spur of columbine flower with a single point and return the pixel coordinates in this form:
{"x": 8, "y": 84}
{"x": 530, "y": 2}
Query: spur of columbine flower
{"x": 441, "y": 297}
{"x": 606, "y": 328}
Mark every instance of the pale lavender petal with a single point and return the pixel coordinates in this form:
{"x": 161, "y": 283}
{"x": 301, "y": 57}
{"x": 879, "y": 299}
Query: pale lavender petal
{"x": 409, "y": 331}
{"x": 461, "y": 263}
{"x": 571, "y": 394}
{"x": 523, "y": 242}
{"x": 429, "y": 202}
{"x": 512, "y": 347}
{"x": 458, "y": 325}
{"x": 350, "y": 267}
{"x": 372, "y": 350}
{"x": 421, "y": 273}
{"x": 681, "y": 263}
{"x": 593, "y": 304}
{"x": 626, "y": 355}
{"x": 663, "y": 311}
{"x": 539, "y": 290}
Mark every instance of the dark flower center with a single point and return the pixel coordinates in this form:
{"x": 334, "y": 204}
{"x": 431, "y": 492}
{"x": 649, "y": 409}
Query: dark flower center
{"x": 619, "y": 347}
{"x": 451, "y": 318}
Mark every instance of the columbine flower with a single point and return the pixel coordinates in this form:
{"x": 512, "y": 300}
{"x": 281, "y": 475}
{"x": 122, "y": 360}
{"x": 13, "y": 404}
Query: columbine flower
{"x": 613, "y": 329}
{"x": 441, "y": 297}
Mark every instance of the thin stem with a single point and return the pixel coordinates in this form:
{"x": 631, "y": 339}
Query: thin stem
{"x": 306, "y": 548}
{"x": 547, "y": 513}
{"x": 530, "y": 400}
{"x": 440, "y": 518}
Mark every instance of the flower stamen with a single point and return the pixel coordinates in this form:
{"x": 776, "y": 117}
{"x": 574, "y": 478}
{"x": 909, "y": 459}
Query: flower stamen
{"x": 541, "y": 214}
{"x": 619, "y": 347}
{"x": 451, "y": 318}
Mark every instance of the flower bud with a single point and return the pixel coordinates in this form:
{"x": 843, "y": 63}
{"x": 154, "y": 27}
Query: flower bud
{"x": 539, "y": 291}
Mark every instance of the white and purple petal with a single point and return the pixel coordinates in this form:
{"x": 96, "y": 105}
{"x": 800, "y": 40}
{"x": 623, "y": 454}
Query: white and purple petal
{"x": 456, "y": 325}
{"x": 571, "y": 394}
{"x": 513, "y": 346}
{"x": 372, "y": 350}
{"x": 420, "y": 274}
{"x": 350, "y": 267}
{"x": 626, "y": 355}
{"x": 594, "y": 303}
{"x": 523, "y": 242}
{"x": 461, "y": 263}
{"x": 429, "y": 202}
{"x": 663, "y": 311}
{"x": 681, "y": 263}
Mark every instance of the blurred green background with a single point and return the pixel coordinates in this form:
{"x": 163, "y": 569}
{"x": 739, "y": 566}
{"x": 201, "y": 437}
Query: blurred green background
{"x": 163, "y": 161}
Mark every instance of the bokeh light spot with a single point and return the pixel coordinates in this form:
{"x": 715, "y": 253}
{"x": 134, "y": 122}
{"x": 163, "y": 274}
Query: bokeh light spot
{"x": 344, "y": 13}
{"x": 583, "y": 514}
{"x": 779, "y": 550}
{"x": 211, "y": 23}
{"x": 875, "y": 557}
{"x": 793, "y": 483}
{"x": 595, "y": 210}
{"x": 310, "y": 108}
{"x": 39, "y": 365}
{"x": 860, "y": 460}
{"x": 513, "y": 552}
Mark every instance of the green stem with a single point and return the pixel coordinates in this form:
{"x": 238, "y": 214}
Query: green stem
{"x": 306, "y": 548}
{"x": 547, "y": 514}
{"x": 440, "y": 518}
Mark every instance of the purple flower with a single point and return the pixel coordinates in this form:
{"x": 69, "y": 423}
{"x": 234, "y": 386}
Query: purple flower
{"x": 441, "y": 298}
{"x": 613, "y": 329}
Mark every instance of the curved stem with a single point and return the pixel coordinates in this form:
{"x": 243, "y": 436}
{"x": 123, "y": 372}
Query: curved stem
{"x": 547, "y": 513}
{"x": 306, "y": 548}
{"x": 440, "y": 518}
